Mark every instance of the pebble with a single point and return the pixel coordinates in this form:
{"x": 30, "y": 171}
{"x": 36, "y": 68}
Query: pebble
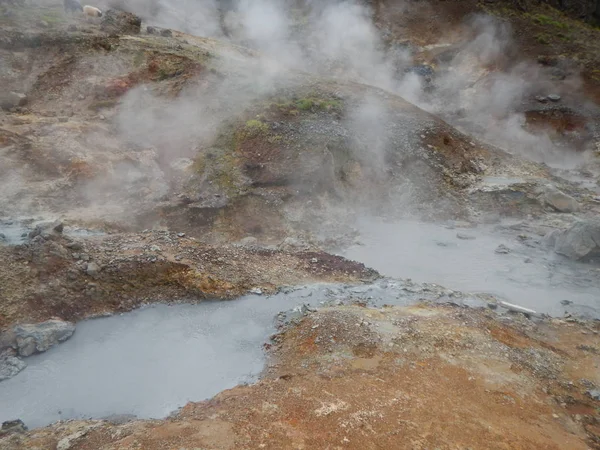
{"x": 465, "y": 237}
{"x": 502, "y": 249}
{"x": 554, "y": 97}
{"x": 256, "y": 291}
{"x": 541, "y": 98}
{"x": 180, "y": 235}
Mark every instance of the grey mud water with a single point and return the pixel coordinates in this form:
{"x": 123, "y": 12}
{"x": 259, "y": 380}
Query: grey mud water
{"x": 155, "y": 359}
{"x": 467, "y": 259}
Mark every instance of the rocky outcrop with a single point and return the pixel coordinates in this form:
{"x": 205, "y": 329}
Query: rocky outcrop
{"x": 559, "y": 201}
{"x": 47, "y": 230}
{"x": 36, "y": 338}
{"x": 579, "y": 242}
{"x": 10, "y": 365}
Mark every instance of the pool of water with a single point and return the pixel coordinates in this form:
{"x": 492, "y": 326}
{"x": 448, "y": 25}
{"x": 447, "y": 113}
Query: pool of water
{"x": 528, "y": 275}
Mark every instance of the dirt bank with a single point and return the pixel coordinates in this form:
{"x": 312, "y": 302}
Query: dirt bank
{"x": 74, "y": 279}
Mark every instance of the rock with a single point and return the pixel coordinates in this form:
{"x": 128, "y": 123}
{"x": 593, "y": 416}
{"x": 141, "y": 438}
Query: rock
{"x": 559, "y": 200}
{"x": 67, "y": 442}
{"x": 150, "y": 30}
{"x": 502, "y": 249}
{"x": 120, "y": 22}
{"x": 36, "y": 338}
{"x": 47, "y": 230}
{"x": 593, "y": 394}
{"x": 256, "y": 291}
{"x": 13, "y": 426}
{"x": 465, "y": 237}
{"x": 541, "y": 98}
{"x": 180, "y": 235}
{"x": 166, "y": 33}
{"x": 12, "y": 99}
{"x": 566, "y": 302}
{"x": 580, "y": 241}
{"x": 92, "y": 269}
{"x": 10, "y": 366}
{"x": 554, "y": 97}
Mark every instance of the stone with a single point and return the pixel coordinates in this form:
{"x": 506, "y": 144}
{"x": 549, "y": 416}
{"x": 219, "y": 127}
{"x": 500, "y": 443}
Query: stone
{"x": 68, "y": 442}
{"x": 166, "y": 33}
{"x": 579, "y": 242}
{"x": 10, "y": 366}
{"x": 256, "y": 291}
{"x": 12, "y": 100}
{"x": 559, "y": 201}
{"x": 554, "y": 97}
{"x": 39, "y": 337}
{"x": 541, "y": 98}
{"x": 502, "y": 249}
{"x": 13, "y": 426}
{"x": 593, "y": 394}
{"x": 465, "y": 237}
{"x": 47, "y": 230}
{"x": 92, "y": 269}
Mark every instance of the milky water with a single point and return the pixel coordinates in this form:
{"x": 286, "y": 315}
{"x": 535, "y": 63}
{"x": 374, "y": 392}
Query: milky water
{"x": 147, "y": 363}
{"x": 154, "y": 360}
{"x": 529, "y": 275}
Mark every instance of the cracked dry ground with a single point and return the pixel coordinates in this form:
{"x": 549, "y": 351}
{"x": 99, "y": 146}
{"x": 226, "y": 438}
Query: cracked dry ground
{"x": 354, "y": 377}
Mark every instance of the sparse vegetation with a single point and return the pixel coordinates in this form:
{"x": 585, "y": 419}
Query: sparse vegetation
{"x": 543, "y": 19}
{"x": 254, "y": 128}
{"x": 542, "y": 38}
{"x": 317, "y": 104}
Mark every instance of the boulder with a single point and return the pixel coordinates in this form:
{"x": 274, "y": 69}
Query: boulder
{"x": 12, "y": 99}
{"x": 39, "y": 337}
{"x": 10, "y": 365}
{"x": 559, "y": 200}
{"x": 579, "y": 242}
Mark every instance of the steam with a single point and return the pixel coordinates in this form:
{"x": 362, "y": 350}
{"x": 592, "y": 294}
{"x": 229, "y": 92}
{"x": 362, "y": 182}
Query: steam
{"x": 477, "y": 86}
